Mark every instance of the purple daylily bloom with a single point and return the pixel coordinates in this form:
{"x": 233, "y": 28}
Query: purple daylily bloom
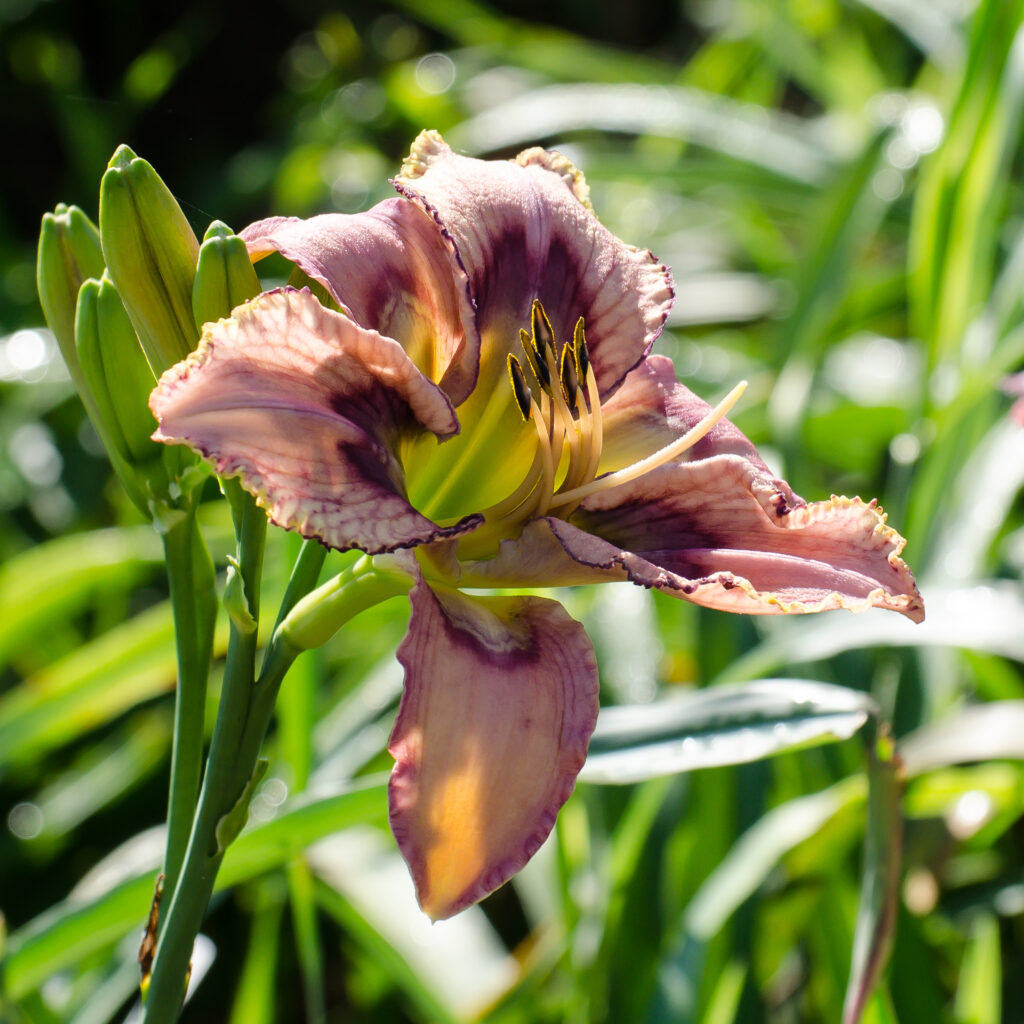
{"x": 482, "y": 393}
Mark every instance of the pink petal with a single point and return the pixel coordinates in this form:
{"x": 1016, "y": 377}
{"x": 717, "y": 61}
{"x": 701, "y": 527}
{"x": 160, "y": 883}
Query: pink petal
{"x": 723, "y": 534}
{"x": 307, "y": 408}
{"x": 499, "y": 704}
{"x": 394, "y": 272}
{"x": 524, "y": 230}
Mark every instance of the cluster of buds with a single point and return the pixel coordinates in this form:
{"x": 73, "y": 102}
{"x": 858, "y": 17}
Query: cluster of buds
{"x": 127, "y": 300}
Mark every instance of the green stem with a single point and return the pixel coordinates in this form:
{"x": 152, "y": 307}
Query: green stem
{"x": 242, "y": 721}
{"x": 194, "y": 606}
{"x": 305, "y": 573}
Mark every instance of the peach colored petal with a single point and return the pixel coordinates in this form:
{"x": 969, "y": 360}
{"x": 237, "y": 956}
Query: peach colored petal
{"x": 499, "y": 704}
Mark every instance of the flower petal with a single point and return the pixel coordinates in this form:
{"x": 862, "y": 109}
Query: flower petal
{"x": 720, "y": 532}
{"x": 524, "y": 230}
{"x": 499, "y": 704}
{"x": 307, "y": 407}
{"x": 394, "y": 272}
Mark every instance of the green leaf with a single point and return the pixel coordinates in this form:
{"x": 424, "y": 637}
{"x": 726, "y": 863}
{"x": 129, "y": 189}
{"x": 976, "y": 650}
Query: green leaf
{"x": 880, "y": 879}
{"x": 54, "y": 581}
{"x": 979, "y": 994}
{"x": 731, "y": 724}
{"x": 978, "y": 732}
{"x": 255, "y": 995}
{"x": 775, "y": 141}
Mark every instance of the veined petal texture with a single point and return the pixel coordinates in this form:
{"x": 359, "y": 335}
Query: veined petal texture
{"x": 307, "y": 408}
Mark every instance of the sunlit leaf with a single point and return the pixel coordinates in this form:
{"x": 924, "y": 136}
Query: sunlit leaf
{"x": 724, "y": 725}
{"x": 879, "y": 895}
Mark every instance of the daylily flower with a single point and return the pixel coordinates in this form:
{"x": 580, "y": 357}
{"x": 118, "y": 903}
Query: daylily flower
{"x": 482, "y": 394}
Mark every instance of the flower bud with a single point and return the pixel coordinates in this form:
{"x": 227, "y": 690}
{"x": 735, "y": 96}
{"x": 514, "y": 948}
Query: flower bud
{"x": 119, "y": 380}
{"x": 151, "y": 255}
{"x": 225, "y": 277}
{"x": 69, "y": 253}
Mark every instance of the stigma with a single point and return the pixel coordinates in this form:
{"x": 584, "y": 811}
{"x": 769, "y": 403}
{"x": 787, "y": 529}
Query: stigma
{"x": 555, "y": 389}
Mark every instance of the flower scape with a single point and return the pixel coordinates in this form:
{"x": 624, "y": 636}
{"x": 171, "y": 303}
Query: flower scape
{"x": 466, "y": 392}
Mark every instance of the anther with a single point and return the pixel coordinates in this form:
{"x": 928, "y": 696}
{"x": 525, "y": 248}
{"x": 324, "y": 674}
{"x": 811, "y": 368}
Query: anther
{"x": 567, "y": 374}
{"x": 537, "y": 362}
{"x": 524, "y": 399}
{"x": 540, "y": 325}
{"x": 579, "y": 345}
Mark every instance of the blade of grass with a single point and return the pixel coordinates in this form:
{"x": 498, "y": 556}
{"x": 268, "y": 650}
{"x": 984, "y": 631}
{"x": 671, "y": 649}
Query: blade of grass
{"x": 979, "y": 992}
{"x": 880, "y": 879}
{"x": 256, "y": 995}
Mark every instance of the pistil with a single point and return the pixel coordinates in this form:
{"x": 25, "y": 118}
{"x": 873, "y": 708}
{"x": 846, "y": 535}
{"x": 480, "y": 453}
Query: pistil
{"x": 659, "y": 458}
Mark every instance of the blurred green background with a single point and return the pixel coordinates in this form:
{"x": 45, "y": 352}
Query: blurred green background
{"x": 836, "y": 186}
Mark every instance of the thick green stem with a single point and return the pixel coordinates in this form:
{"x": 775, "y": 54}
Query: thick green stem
{"x": 242, "y": 721}
{"x": 194, "y": 605}
{"x": 305, "y": 573}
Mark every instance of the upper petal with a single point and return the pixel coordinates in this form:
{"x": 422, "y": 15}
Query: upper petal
{"x": 525, "y": 231}
{"x": 394, "y": 272}
{"x": 499, "y": 704}
{"x": 306, "y": 407}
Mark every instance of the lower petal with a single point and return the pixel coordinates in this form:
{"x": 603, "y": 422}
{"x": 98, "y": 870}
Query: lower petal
{"x": 720, "y": 533}
{"x": 501, "y": 697}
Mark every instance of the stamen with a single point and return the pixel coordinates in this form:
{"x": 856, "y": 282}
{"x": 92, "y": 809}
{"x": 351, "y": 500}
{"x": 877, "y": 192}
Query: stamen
{"x": 567, "y": 376}
{"x": 597, "y": 425}
{"x": 538, "y": 364}
{"x": 591, "y": 417}
{"x": 585, "y": 425}
{"x": 548, "y": 464}
{"x": 541, "y": 327}
{"x": 659, "y": 458}
{"x": 543, "y": 343}
{"x": 524, "y": 399}
{"x": 543, "y": 468}
{"x": 579, "y": 345}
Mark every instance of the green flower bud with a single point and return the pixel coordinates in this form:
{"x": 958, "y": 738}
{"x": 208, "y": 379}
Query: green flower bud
{"x": 225, "y": 277}
{"x": 119, "y": 380}
{"x": 69, "y": 253}
{"x": 151, "y": 255}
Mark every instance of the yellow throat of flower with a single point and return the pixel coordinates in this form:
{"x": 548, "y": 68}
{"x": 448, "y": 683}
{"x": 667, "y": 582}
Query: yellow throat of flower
{"x": 556, "y": 390}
